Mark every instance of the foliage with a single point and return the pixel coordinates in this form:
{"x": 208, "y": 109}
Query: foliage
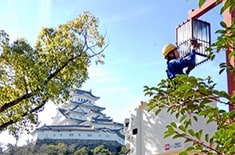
{"x": 60, "y": 148}
{"x": 31, "y": 76}
{"x": 100, "y": 150}
{"x": 82, "y": 151}
{"x": 123, "y": 150}
{"x": 190, "y": 98}
{"x": 52, "y": 149}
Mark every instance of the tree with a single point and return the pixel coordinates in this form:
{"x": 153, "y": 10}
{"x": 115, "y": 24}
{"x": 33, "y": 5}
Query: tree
{"x": 100, "y": 150}
{"x": 189, "y": 95}
{"x": 123, "y": 150}
{"x": 62, "y": 148}
{"x": 57, "y": 64}
{"x": 82, "y": 151}
{"x": 52, "y": 149}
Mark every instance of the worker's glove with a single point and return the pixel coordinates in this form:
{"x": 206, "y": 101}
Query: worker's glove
{"x": 194, "y": 44}
{"x": 188, "y": 70}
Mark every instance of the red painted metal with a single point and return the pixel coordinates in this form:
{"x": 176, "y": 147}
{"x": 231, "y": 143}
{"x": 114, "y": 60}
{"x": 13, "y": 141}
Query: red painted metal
{"x": 210, "y": 4}
{"x": 230, "y": 76}
{"x": 228, "y": 20}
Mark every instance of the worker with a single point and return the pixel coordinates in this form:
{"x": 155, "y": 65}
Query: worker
{"x": 175, "y": 64}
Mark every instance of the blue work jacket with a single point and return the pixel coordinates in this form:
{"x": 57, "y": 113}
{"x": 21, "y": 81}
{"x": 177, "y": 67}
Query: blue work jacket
{"x": 176, "y": 66}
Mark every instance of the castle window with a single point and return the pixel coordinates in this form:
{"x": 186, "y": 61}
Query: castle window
{"x": 61, "y": 135}
{"x": 126, "y": 124}
{"x": 54, "y": 135}
{"x": 71, "y": 134}
{"x": 79, "y": 134}
{"x": 134, "y": 131}
{"x": 89, "y": 135}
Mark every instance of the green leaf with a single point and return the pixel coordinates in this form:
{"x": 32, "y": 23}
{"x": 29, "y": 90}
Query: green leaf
{"x": 190, "y": 148}
{"x": 183, "y": 88}
{"x": 170, "y": 128}
{"x": 201, "y": 2}
{"x": 151, "y": 106}
{"x": 157, "y": 111}
{"x": 178, "y": 136}
{"x": 231, "y": 54}
{"x": 221, "y": 31}
{"x": 207, "y": 138}
{"x": 183, "y": 153}
{"x": 187, "y": 140}
{"x": 221, "y": 70}
{"x": 191, "y": 132}
{"x": 199, "y": 134}
{"x": 232, "y": 150}
{"x": 181, "y": 127}
{"x": 228, "y": 142}
{"x": 223, "y": 24}
{"x": 167, "y": 135}
{"x": 174, "y": 124}
{"x": 183, "y": 118}
{"x": 177, "y": 115}
{"x": 195, "y": 118}
{"x": 210, "y": 120}
{"x": 225, "y": 6}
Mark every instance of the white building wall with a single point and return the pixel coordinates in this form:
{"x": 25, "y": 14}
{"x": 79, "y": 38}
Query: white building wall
{"x": 144, "y": 135}
{"x": 59, "y": 119}
{"x": 89, "y": 135}
{"x": 76, "y": 116}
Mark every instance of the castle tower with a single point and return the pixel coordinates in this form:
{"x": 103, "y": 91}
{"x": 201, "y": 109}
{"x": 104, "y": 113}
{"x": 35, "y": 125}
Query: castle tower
{"x": 79, "y": 121}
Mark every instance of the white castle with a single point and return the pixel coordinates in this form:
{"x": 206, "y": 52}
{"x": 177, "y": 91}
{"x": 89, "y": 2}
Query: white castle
{"x": 79, "y": 121}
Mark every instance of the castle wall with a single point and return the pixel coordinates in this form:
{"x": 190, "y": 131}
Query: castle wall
{"x": 111, "y": 145}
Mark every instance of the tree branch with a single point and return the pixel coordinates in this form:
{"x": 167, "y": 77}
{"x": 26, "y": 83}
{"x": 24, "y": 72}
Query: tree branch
{"x": 198, "y": 142}
{"x": 28, "y": 95}
{"x": 16, "y": 101}
{"x": 10, "y": 122}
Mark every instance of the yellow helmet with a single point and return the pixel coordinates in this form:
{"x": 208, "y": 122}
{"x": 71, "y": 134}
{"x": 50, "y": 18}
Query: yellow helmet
{"x": 167, "y": 48}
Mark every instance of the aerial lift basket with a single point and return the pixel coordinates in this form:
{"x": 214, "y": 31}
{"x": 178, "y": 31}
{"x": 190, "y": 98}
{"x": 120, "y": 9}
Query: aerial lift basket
{"x": 193, "y": 29}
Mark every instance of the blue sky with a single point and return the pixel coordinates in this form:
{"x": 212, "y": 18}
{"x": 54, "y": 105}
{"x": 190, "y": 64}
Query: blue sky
{"x": 136, "y": 32}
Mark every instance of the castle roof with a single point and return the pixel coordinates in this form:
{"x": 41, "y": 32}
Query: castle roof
{"x": 66, "y": 127}
{"x": 83, "y": 92}
{"x": 106, "y": 119}
{"x": 102, "y": 121}
{"x": 91, "y": 106}
{"x": 63, "y": 112}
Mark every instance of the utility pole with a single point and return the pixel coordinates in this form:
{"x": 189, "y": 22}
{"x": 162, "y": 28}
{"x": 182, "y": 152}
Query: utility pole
{"x": 228, "y": 17}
